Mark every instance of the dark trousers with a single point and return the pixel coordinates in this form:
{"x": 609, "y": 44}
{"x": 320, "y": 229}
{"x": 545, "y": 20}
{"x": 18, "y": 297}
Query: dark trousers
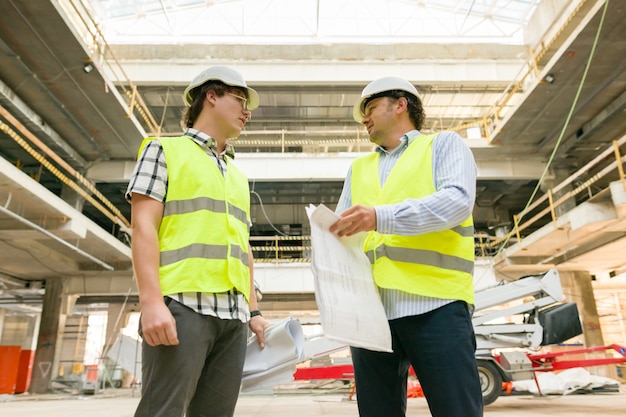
{"x": 440, "y": 345}
{"x": 201, "y": 376}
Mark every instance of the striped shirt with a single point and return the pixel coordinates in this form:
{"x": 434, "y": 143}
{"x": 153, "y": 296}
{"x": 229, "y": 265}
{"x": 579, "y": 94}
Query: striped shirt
{"x": 454, "y": 176}
{"x": 150, "y": 178}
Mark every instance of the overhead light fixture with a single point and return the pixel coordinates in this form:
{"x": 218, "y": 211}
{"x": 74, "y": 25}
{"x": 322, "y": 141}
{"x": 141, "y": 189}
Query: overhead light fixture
{"x": 88, "y": 67}
{"x": 549, "y": 79}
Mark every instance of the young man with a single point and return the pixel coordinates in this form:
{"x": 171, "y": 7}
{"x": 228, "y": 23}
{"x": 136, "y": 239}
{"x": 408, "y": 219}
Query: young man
{"x": 414, "y": 197}
{"x": 191, "y": 256}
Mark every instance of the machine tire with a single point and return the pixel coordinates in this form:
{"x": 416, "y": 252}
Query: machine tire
{"x": 490, "y": 381}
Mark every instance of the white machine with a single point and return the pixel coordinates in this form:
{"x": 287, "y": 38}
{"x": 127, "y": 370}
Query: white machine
{"x": 526, "y": 313}
{"x": 535, "y": 292}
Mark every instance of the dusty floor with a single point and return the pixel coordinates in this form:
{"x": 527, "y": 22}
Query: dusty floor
{"x": 121, "y": 403}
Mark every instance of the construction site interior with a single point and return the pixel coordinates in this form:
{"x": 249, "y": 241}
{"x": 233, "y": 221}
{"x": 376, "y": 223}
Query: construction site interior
{"x": 536, "y": 88}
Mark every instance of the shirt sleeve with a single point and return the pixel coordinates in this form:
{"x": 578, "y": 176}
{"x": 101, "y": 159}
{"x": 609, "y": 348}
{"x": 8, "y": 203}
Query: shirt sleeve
{"x": 150, "y": 174}
{"x": 345, "y": 199}
{"x": 454, "y": 175}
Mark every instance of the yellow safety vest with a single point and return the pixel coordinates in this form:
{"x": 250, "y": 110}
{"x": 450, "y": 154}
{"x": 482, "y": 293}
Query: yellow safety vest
{"x": 203, "y": 237}
{"x": 437, "y": 264}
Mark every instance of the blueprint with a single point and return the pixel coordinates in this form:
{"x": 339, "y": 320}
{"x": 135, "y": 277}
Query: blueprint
{"x": 347, "y": 297}
{"x": 276, "y": 363}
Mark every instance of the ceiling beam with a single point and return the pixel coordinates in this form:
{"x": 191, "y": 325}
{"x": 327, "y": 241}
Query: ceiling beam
{"x": 178, "y": 72}
{"x": 319, "y": 167}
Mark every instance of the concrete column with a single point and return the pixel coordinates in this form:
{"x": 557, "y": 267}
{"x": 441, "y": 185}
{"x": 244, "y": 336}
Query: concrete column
{"x": 557, "y": 176}
{"x": 117, "y": 319}
{"x": 50, "y": 335}
{"x": 577, "y": 288}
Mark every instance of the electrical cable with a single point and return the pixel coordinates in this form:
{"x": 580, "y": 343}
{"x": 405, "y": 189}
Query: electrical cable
{"x": 566, "y": 124}
{"x": 567, "y": 120}
{"x": 266, "y": 216}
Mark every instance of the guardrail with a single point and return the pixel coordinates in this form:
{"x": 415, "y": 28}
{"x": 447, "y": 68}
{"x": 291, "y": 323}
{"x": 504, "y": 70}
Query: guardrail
{"x": 596, "y": 175}
{"x": 598, "y": 172}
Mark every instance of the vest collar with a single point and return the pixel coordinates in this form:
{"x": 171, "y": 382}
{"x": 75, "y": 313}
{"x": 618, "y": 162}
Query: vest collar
{"x": 207, "y": 142}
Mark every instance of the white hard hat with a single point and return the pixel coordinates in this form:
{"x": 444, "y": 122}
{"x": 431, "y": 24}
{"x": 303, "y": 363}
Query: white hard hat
{"x": 226, "y": 75}
{"x": 378, "y": 86}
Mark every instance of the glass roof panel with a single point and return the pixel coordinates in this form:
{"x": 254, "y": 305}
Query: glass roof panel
{"x": 313, "y": 21}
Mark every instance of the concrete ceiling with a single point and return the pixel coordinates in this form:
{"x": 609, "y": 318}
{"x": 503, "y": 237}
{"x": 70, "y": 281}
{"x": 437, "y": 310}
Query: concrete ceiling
{"x": 59, "y": 122}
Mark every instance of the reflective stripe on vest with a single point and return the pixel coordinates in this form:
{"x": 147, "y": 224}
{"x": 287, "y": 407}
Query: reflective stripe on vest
{"x": 426, "y": 257}
{"x": 437, "y": 264}
{"x": 198, "y": 250}
{"x": 204, "y": 231}
{"x": 203, "y": 203}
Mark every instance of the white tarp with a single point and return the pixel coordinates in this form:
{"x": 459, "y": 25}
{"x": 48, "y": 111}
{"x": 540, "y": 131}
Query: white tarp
{"x": 564, "y": 382}
{"x": 126, "y": 352}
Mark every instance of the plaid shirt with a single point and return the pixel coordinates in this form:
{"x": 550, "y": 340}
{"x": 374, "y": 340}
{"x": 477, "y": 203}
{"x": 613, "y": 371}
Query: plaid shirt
{"x": 150, "y": 179}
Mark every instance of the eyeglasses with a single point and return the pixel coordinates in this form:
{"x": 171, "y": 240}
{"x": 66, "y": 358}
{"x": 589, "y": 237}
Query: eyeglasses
{"x": 242, "y": 100}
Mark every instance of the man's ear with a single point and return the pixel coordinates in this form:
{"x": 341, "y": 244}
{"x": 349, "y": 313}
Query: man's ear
{"x": 403, "y": 104}
{"x": 211, "y": 96}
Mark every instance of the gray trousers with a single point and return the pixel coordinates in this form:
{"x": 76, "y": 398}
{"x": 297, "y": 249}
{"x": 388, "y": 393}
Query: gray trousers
{"x": 199, "y": 377}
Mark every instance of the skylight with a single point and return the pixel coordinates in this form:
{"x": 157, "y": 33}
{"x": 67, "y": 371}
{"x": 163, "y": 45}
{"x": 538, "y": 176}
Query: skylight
{"x": 313, "y": 21}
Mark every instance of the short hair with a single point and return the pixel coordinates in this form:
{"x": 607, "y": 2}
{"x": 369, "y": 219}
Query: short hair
{"x": 414, "y": 105}
{"x": 191, "y": 113}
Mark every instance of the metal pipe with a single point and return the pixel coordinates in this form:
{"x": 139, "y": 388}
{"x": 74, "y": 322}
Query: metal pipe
{"x": 114, "y": 215}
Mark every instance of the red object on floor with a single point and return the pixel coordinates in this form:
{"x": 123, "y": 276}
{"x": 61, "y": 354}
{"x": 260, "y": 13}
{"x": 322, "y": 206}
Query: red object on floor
{"x": 507, "y": 387}
{"x": 9, "y": 364}
{"x": 92, "y": 373}
{"x": 325, "y": 372}
{"x": 414, "y": 390}
{"x": 24, "y": 372}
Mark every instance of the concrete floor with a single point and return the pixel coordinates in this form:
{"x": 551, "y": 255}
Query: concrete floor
{"x": 121, "y": 403}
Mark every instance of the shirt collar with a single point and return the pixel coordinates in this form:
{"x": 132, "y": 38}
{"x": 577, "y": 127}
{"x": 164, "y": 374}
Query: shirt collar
{"x": 411, "y": 135}
{"x": 208, "y": 142}
{"x": 405, "y": 140}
